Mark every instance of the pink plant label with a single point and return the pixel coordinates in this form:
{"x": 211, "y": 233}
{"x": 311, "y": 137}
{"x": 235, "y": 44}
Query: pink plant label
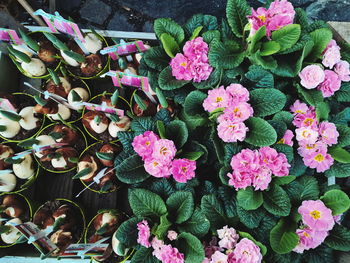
{"x": 120, "y": 78}
{"x": 84, "y": 250}
{"x": 124, "y": 49}
{"x": 10, "y": 35}
{"x": 5, "y": 104}
{"x": 103, "y": 107}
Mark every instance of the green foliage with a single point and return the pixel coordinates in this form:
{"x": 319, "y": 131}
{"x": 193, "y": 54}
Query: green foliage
{"x": 283, "y": 238}
{"x": 276, "y": 201}
{"x": 131, "y": 170}
{"x": 181, "y": 204}
{"x": 339, "y": 154}
{"x": 321, "y": 37}
{"x": 261, "y": 133}
{"x": 166, "y": 81}
{"x": 236, "y": 13}
{"x": 144, "y": 255}
{"x": 166, "y": 25}
{"x": 177, "y": 132}
{"x": 144, "y": 203}
{"x": 225, "y": 55}
{"x": 337, "y": 201}
{"x": 249, "y": 199}
{"x": 339, "y": 238}
{"x": 267, "y": 101}
{"x": 344, "y": 135}
{"x": 197, "y": 224}
{"x": 287, "y": 36}
{"x": 169, "y": 44}
{"x": 261, "y": 77}
{"x": 214, "y": 211}
{"x": 127, "y": 232}
{"x": 156, "y": 58}
{"x": 340, "y": 170}
{"x": 207, "y": 22}
{"x": 191, "y": 247}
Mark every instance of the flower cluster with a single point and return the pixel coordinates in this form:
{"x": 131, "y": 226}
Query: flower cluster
{"x": 165, "y": 253}
{"x": 229, "y": 250}
{"x": 317, "y": 221}
{"x": 279, "y": 14}
{"x": 158, "y": 155}
{"x": 233, "y": 101}
{"x": 313, "y": 137}
{"x": 287, "y": 138}
{"x": 193, "y": 63}
{"x": 327, "y": 81}
{"x": 256, "y": 167}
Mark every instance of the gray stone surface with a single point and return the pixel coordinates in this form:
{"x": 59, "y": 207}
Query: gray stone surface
{"x": 95, "y": 11}
{"x": 147, "y": 27}
{"x": 68, "y": 5}
{"x": 330, "y": 10}
{"x": 120, "y": 22}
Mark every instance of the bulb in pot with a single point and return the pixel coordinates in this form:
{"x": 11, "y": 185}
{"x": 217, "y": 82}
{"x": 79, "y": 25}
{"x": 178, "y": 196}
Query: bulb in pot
{"x": 13, "y": 234}
{"x": 7, "y": 182}
{"x": 24, "y": 169}
{"x": 14, "y": 206}
{"x": 28, "y": 121}
{"x": 82, "y": 93}
{"x": 63, "y": 111}
{"x": 87, "y": 161}
{"x": 5, "y": 152}
{"x": 92, "y": 43}
{"x": 34, "y": 68}
{"x": 122, "y": 125}
{"x": 12, "y": 127}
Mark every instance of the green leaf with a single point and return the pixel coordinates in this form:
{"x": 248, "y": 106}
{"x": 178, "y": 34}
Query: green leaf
{"x": 211, "y": 35}
{"x": 166, "y": 81}
{"x": 55, "y": 41}
{"x": 169, "y": 44}
{"x": 344, "y": 135}
{"x": 181, "y": 204}
{"x": 5, "y": 229}
{"x": 191, "y": 247}
{"x": 213, "y": 210}
{"x": 263, "y": 249}
{"x": 312, "y": 97}
{"x": 13, "y": 116}
{"x": 211, "y": 82}
{"x": 267, "y": 62}
{"x": 249, "y": 199}
{"x": 29, "y": 41}
{"x": 287, "y": 36}
{"x": 144, "y": 255}
{"x": 54, "y": 76}
{"x": 340, "y": 170}
{"x": 236, "y": 13}
{"x": 194, "y": 103}
{"x": 276, "y": 201}
{"x": 163, "y": 227}
{"x": 286, "y": 150}
{"x": 102, "y": 230}
{"x": 252, "y": 218}
{"x": 196, "y": 32}
{"x": 144, "y": 203}
{"x": 20, "y": 55}
{"x": 225, "y": 55}
{"x": 283, "y": 238}
{"x": 337, "y": 201}
{"x": 82, "y": 173}
{"x": 177, "y": 132}
{"x": 283, "y": 116}
{"x": 261, "y": 133}
{"x": 321, "y": 38}
{"x": 260, "y": 76}
{"x": 343, "y": 95}
{"x": 284, "y": 179}
{"x": 105, "y": 156}
{"x": 140, "y": 125}
{"x": 342, "y": 117}
{"x": 303, "y": 188}
{"x": 258, "y": 35}
{"x": 161, "y": 129}
{"x": 339, "y": 238}
{"x": 267, "y": 101}
{"x": 131, "y": 170}
{"x": 140, "y": 102}
{"x": 197, "y": 225}
{"x": 208, "y": 22}
{"x": 156, "y": 58}
{"x": 339, "y": 154}
{"x": 166, "y": 25}
{"x": 322, "y": 111}
{"x": 76, "y": 56}
{"x": 161, "y": 98}
{"x": 192, "y": 155}
{"x": 269, "y": 48}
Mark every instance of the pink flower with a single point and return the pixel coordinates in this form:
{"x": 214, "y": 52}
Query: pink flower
{"x": 338, "y": 219}
{"x": 278, "y": 21}
{"x": 144, "y": 233}
{"x": 311, "y": 76}
{"x": 228, "y": 237}
{"x": 328, "y": 132}
{"x": 316, "y": 215}
{"x": 306, "y": 120}
{"x": 343, "y": 71}
{"x": 237, "y": 113}
{"x": 156, "y": 168}
{"x": 200, "y": 70}
{"x": 247, "y": 252}
{"x": 172, "y": 235}
{"x": 169, "y": 254}
{"x": 164, "y": 151}
{"x": 331, "y": 55}
{"x": 240, "y": 180}
{"x": 276, "y": 162}
{"x": 196, "y": 49}
{"x": 217, "y": 98}
{"x": 306, "y": 134}
{"x": 299, "y": 107}
{"x": 282, "y": 7}
{"x": 238, "y": 93}
{"x": 246, "y": 161}
{"x": 230, "y": 131}
{"x": 157, "y": 245}
{"x": 143, "y": 144}
{"x": 320, "y": 160}
{"x": 258, "y": 19}
{"x": 309, "y": 239}
{"x": 306, "y": 148}
{"x": 218, "y": 257}
{"x": 287, "y": 138}
{"x": 212, "y": 247}
{"x": 183, "y": 170}
{"x": 180, "y": 66}
{"x": 231, "y": 258}
{"x": 262, "y": 178}
{"x": 330, "y": 84}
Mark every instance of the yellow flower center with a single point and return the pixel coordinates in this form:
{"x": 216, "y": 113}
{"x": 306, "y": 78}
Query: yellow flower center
{"x": 218, "y": 99}
{"x": 319, "y": 157}
{"x": 308, "y": 121}
{"x": 184, "y": 169}
{"x": 183, "y": 64}
{"x": 315, "y": 214}
{"x": 300, "y": 111}
{"x": 148, "y": 143}
{"x": 155, "y": 164}
{"x": 163, "y": 150}
{"x": 305, "y": 134}
{"x": 310, "y": 146}
{"x": 282, "y": 141}
{"x": 262, "y": 18}
{"x": 306, "y": 234}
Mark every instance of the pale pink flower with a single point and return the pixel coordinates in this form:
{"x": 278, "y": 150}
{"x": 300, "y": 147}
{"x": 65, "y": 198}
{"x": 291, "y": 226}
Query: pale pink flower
{"x": 143, "y": 144}
{"x": 240, "y": 180}
{"x": 217, "y": 98}
{"x": 200, "y": 70}
{"x": 157, "y": 245}
{"x": 306, "y": 148}
{"x": 287, "y": 138}
{"x": 169, "y": 254}
{"x": 183, "y": 170}
{"x": 320, "y": 160}
{"x": 316, "y": 215}
{"x": 258, "y": 19}
{"x": 230, "y": 131}
{"x": 262, "y": 178}
{"x": 228, "y": 237}
{"x": 306, "y": 134}
{"x": 307, "y": 119}
{"x": 331, "y": 44}
{"x": 276, "y": 162}
{"x": 343, "y": 71}
{"x": 277, "y": 22}
{"x": 144, "y": 233}
{"x": 246, "y": 161}
{"x": 331, "y": 56}
{"x": 164, "y": 151}
{"x": 309, "y": 239}
{"x": 246, "y": 251}
{"x": 330, "y": 84}
{"x": 299, "y": 107}
{"x": 172, "y": 235}
{"x": 237, "y": 113}
{"x": 156, "y": 168}
{"x": 238, "y": 93}
{"x": 328, "y": 132}
{"x": 311, "y": 76}
{"x": 180, "y": 66}
{"x": 282, "y": 7}
{"x": 196, "y": 49}
{"x": 206, "y": 260}
{"x": 218, "y": 257}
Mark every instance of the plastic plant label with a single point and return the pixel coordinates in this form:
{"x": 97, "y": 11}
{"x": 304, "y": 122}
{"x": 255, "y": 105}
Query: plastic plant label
{"x": 10, "y": 35}
{"x": 124, "y": 49}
